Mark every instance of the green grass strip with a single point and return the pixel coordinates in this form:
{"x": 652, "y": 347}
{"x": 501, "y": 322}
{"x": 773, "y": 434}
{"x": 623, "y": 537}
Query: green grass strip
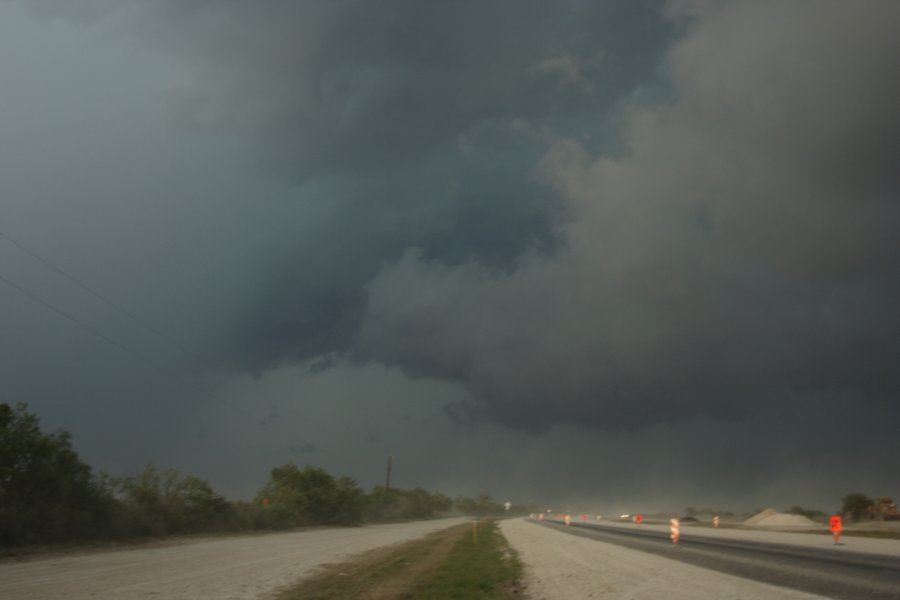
{"x": 481, "y": 565}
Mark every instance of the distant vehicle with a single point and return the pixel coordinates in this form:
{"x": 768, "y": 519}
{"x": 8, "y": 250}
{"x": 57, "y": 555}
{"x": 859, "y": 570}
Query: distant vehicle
{"x": 884, "y": 509}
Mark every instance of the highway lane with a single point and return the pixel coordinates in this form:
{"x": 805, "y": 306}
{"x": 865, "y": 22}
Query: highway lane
{"x": 828, "y": 571}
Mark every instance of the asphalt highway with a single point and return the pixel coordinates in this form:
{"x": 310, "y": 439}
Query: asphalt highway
{"x": 829, "y": 571}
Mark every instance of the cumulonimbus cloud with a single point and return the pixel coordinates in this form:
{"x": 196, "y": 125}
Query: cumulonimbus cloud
{"x": 741, "y": 252}
{"x": 560, "y": 207}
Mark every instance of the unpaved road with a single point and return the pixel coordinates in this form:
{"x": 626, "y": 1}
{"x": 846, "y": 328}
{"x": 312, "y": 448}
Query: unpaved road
{"x": 222, "y": 569}
{"x": 576, "y": 563}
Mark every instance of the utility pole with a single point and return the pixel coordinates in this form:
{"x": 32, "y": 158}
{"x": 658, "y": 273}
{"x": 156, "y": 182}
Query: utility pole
{"x": 387, "y": 481}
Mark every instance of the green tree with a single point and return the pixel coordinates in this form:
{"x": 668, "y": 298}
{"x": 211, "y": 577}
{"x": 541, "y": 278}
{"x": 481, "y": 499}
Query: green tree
{"x": 385, "y": 504}
{"x": 159, "y": 502}
{"x": 856, "y": 505}
{"x": 46, "y": 492}
{"x": 393, "y": 504}
{"x": 309, "y": 497}
{"x": 441, "y": 503}
{"x": 480, "y": 506}
{"x": 349, "y": 502}
{"x": 420, "y": 504}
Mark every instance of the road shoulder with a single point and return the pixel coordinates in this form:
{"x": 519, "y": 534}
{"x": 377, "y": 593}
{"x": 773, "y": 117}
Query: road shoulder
{"x": 558, "y": 565}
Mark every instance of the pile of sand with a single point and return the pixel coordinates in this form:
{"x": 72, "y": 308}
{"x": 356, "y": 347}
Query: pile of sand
{"x": 784, "y": 520}
{"x": 755, "y": 519}
{"x": 773, "y": 518}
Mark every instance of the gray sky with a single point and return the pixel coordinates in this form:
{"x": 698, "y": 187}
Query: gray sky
{"x": 617, "y": 253}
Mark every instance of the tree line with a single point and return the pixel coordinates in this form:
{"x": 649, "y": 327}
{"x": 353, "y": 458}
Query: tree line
{"x": 856, "y": 507}
{"x": 48, "y": 494}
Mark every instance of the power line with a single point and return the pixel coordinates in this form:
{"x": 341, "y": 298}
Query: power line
{"x": 133, "y": 353}
{"x": 81, "y": 324}
{"x": 113, "y": 342}
{"x": 121, "y": 309}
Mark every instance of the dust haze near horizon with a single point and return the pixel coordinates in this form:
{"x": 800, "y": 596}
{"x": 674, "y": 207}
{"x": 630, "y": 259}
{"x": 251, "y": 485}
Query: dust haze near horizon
{"x": 643, "y": 252}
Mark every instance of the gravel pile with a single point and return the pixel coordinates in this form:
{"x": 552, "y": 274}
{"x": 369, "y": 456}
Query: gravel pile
{"x": 773, "y": 518}
{"x": 755, "y": 519}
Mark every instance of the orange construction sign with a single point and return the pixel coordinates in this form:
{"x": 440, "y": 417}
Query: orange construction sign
{"x": 836, "y": 524}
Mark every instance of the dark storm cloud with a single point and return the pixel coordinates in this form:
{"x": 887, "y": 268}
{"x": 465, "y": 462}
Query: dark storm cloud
{"x": 737, "y": 251}
{"x": 416, "y": 123}
{"x": 353, "y": 85}
{"x": 740, "y": 254}
{"x": 80, "y": 11}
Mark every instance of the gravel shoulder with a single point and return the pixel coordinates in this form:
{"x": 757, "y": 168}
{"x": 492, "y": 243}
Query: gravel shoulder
{"x": 559, "y": 566}
{"x": 224, "y": 569}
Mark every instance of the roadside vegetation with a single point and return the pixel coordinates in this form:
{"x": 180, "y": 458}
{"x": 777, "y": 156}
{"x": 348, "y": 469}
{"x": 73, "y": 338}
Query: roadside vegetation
{"x": 863, "y": 517}
{"x": 472, "y": 561}
{"x": 48, "y": 495}
{"x": 856, "y": 508}
{"x": 481, "y": 565}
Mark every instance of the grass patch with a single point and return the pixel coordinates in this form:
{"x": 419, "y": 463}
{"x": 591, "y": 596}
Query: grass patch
{"x": 482, "y": 566}
{"x": 444, "y": 565}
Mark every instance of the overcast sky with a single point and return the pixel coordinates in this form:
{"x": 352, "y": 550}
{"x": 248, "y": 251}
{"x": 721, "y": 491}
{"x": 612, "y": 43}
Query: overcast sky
{"x": 619, "y": 253}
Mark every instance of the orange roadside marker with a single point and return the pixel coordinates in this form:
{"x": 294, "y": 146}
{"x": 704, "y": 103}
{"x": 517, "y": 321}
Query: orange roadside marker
{"x": 836, "y": 524}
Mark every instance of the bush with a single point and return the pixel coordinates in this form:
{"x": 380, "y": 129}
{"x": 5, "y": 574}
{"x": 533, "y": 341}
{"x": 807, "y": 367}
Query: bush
{"x": 308, "y": 497}
{"x": 856, "y": 505}
{"x": 480, "y": 506}
{"x": 46, "y": 492}
{"x": 155, "y": 502}
{"x": 393, "y": 504}
{"x": 48, "y": 495}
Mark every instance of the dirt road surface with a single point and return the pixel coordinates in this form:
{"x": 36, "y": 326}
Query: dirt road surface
{"x": 560, "y": 566}
{"x": 252, "y": 567}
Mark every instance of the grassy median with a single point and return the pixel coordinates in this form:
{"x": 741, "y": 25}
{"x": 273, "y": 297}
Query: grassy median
{"x": 456, "y": 563}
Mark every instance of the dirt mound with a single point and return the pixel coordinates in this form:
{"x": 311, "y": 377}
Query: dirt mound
{"x": 784, "y": 520}
{"x": 772, "y": 518}
{"x": 755, "y": 519}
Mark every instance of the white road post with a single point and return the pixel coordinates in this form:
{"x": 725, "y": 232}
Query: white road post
{"x": 675, "y": 530}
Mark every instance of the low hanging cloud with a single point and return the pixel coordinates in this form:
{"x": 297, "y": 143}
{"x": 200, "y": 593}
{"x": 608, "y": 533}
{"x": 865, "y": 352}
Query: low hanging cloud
{"x": 609, "y": 214}
{"x": 409, "y": 126}
{"x": 741, "y": 253}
